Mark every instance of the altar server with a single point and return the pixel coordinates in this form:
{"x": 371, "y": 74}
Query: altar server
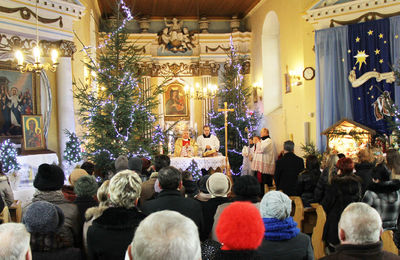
{"x": 207, "y": 142}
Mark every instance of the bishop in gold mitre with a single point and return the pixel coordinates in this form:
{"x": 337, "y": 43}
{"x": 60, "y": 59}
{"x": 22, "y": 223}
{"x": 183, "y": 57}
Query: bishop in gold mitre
{"x": 185, "y": 146}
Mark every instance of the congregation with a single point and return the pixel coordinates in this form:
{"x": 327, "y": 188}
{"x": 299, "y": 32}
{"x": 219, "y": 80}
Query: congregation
{"x": 159, "y": 212}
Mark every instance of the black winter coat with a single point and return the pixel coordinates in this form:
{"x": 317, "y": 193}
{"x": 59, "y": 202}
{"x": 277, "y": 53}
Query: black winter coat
{"x": 306, "y": 184}
{"x": 344, "y": 190}
{"x": 209, "y": 208}
{"x": 364, "y": 171}
{"x": 110, "y": 234}
{"x": 354, "y": 252}
{"x": 286, "y": 171}
{"x": 173, "y": 200}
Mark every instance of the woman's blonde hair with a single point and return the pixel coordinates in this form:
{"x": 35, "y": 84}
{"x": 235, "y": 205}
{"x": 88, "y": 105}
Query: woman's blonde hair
{"x": 365, "y": 156}
{"x": 125, "y": 188}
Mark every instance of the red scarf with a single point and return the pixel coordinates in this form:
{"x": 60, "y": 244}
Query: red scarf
{"x": 184, "y": 142}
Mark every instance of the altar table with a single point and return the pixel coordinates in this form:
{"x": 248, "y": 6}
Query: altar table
{"x": 207, "y": 163}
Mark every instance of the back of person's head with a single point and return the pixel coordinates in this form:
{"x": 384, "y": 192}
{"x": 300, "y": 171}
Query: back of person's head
{"x": 187, "y": 176}
{"x": 202, "y": 183}
{"x": 76, "y": 174}
{"x": 135, "y": 164}
{"x": 125, "y": 188}
{"x": 246, "y": 187}
{"x": 359, "y": 224}
{"x": 49, "y": 178}
{"x": 312, "y": 162}
{"x": 288, "y": 146}
{"x": 121, "y": 163}
{"x": 88, "y": 167}
{"x": 102, "y": 193}
{"x": 43, "y": 217}
{"x": 331, "y": 161}
{"x": 380, "y": 172}
{"x": 169, "y": 178}
{"x": 341, "y": 155}
{"x": 161, "y": 161}
{"x": 365, "y": 156}
{"x": 345, "y": 165}
{"x": 14, "y": 243}
{"x": 393, "y": 161}
{"x": 218, "y": 185}
{"x": 166, "y": 235}
{"x": 240, "y": 227}
{"x": 86, "y": 186}
{"x": 275, "y": 204}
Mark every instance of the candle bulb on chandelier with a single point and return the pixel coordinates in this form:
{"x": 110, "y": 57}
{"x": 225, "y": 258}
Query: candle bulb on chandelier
{"x": 19, "y": 57}
{"x": 36, "y": 54}
{"x": 54, "y": 56}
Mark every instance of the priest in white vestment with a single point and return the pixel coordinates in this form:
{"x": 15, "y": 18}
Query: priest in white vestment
{"x": 207, "y": 142}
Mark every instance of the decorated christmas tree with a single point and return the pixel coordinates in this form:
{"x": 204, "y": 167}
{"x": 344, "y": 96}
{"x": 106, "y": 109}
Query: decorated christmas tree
{"x": 8, "y": 156}
{"x": 194, "y": 169}
{"x": 72, "y": 152}
{"x": 242, "y": 120}
{"x": 117, "y": 114}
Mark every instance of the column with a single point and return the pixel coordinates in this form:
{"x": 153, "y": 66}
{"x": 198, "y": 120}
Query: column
{"x": 206, "y": 80}
{"x": 65, "y": 102}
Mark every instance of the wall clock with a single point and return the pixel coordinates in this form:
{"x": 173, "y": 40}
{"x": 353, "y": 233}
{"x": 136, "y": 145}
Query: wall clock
{"x": 308, "y": 73}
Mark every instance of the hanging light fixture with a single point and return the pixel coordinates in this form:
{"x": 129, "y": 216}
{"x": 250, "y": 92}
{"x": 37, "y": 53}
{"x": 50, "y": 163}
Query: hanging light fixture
{"x": 36, "y": 66}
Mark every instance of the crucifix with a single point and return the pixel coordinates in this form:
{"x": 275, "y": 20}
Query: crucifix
{"x": 226, "y": 110}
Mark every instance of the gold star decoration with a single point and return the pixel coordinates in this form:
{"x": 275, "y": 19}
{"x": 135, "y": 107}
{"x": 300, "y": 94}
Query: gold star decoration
{"x": 357, "y": 39}
{"x": 381, "y": 61}
{"x": 380, "y": 36}
{"x": 361, "y": 58}
{"x": 377, "y": 51}
{"x": 370, "y": 32}
{"x": 396, "y": 36}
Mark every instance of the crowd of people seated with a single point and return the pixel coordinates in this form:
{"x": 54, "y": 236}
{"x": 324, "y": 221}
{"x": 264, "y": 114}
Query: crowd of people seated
{"x": 155, "y": 211}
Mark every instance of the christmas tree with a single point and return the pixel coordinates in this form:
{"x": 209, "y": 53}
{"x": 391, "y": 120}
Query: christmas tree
{"x": 72, "y": 152}
{"x": 194, "y": 169}
{"x": 8, "y": 156}
{"x": 117, "y": 114}
{"x": 242, "y": 120}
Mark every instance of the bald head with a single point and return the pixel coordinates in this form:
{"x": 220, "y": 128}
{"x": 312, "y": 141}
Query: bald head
{"x": 359, "y": 224}
{"x": 264, "y": 132}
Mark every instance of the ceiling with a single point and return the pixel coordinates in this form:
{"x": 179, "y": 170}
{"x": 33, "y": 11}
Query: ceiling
{"x": 217, "y": 9}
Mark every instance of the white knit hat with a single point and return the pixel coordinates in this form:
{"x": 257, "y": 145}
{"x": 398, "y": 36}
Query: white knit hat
{"x": 218, "y": 185}
{"x": 275, "y": 204}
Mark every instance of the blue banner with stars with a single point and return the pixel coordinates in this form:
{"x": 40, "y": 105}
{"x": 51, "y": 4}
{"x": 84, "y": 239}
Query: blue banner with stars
{"x": 370, "y": 63}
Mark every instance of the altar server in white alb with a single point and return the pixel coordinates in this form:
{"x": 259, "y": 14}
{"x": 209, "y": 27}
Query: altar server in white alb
{"x": 208, "y": 143}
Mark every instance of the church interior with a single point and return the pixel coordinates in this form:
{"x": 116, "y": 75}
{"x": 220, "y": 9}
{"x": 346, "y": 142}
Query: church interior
{"x": 228, "y": 86}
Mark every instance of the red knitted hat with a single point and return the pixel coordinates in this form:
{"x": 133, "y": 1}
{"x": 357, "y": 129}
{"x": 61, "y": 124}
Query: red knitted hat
{"x": 240, "y": 227}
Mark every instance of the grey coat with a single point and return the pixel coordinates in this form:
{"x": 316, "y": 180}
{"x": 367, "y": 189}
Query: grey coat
{"x": 5, "y": 191}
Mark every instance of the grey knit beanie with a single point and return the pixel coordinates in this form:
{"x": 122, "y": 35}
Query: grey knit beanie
{"x": 43, "y": 217}
{"x": 121, "y": 163}
{"x": 275, "y": 204}
{"x": 86, "y": 186}
{"x": 135, "y": 164}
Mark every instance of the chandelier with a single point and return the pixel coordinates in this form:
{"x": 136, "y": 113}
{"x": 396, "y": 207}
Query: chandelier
{"x": 197, "y": 93}
{"x": 37, "y": 66}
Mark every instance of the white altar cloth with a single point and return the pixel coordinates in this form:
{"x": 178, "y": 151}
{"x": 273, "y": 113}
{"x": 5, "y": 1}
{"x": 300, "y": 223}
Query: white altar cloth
{"x": 207, "y": 163}
{"x": 23, "y": 185}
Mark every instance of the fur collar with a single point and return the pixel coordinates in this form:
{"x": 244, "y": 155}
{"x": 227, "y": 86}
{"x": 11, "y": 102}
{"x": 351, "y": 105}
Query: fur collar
{"x": 3, "y": 178}
{"x": 385, "y": 186}
{"x": 120, "y": 218}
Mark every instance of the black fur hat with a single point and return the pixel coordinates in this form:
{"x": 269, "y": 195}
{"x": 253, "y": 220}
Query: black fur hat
{"x": 49, "y": 177}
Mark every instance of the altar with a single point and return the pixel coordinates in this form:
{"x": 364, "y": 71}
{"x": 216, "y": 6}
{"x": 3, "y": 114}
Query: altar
{"x": 22, "y": 181}
{"x": 207, "y": 163}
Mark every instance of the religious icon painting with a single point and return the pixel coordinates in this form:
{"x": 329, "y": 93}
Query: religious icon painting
{"x": 33, "y": 137}
{"x": 175, "y": 102}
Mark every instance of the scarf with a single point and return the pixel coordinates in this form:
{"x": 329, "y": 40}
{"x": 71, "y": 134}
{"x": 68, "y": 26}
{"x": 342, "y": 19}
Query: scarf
{"x": 55, "y": 197}
{"x": 185, "y": 141}
{"x": 277, "y": 230}
{"x": 205, "y": 136}
{"x": 265, "y": 137}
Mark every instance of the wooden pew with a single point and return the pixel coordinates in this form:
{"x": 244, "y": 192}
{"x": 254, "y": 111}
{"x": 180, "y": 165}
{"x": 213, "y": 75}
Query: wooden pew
{"x": 317, "y": 242}
{"x": 16, "y": 211}
{"x": 388, "y": 244}
{"x": 298, "y": 215}
{"x": 5, "y": 215}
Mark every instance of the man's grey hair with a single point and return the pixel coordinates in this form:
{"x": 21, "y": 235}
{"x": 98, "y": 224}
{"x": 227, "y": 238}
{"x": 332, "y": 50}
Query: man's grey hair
{"x": 166, "y": 235}
{"x": 169, "y": 178}
{"x": 361, "y": 224}
{"x": 14, "y": 241}
{"x": 125, "y": 188}
{"x": 288, "y": 146}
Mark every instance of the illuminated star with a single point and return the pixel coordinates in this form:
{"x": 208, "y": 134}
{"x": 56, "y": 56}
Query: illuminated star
{"x": 377, "y": 51}
{"x": 381, "y": 61}
{"x": 396, "y": 36}
{"x": 380, "y": 36}
{"x": 361, "y": 58}
{"x": 370, "y": 32}
{"x": 357, "y": 39}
